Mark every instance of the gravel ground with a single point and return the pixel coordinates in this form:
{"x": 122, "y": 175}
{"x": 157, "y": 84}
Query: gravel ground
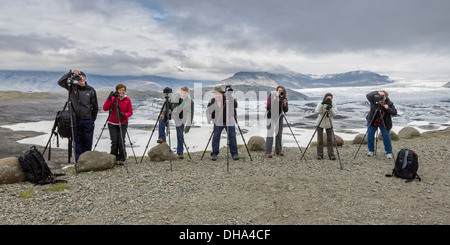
{"x": 278, "y": 191}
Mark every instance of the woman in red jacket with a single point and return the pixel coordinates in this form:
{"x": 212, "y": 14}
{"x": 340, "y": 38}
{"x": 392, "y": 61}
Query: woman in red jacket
{"x": 118, "y": 118}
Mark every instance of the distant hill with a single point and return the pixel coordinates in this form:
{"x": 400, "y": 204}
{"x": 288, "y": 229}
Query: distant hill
{"x": 298, "y": 80}
{"x": 447, "y": 85}
{"x": 45, "y": 81}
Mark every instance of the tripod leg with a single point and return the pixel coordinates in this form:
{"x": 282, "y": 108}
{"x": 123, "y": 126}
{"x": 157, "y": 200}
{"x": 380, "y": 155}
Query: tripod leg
{"x": 292, "y": 132}
{"x": 153, "y": 131}
{"x": 184, "y": 142}
{"x": 104, "y": 126}
{"x": 210, "y": 137}
{"x": 315, "y": 131}
{"x": 370, "y": 123}
{"x": 335, "y": 143}
{"x": 131, "y": 144}
{"x": 240, "y": 131}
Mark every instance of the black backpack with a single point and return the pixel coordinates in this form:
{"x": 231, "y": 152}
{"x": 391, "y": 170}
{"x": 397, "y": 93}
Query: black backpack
{"x": 406, "y": 165}
{"x": 63, "y": 123}
{"x": 36, "y": 169}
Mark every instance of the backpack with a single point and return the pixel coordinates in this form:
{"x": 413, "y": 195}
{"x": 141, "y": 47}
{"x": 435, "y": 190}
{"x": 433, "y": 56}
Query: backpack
{"x": 36, "y": 169}
{"x": 406, "y": 165}
{"x": 63, "y": 123}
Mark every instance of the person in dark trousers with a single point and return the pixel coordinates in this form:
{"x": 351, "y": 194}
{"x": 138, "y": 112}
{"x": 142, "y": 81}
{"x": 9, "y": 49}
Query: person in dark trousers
{"x": 223, "y": 118}
{"x": 379, "y": 100}
{"x": 182, "y": 112}
{"x": 275, "y": 120}
{"x": 125, "y": 112}
{"x": 85, "y": 105}
{"x": 325, "y": 123}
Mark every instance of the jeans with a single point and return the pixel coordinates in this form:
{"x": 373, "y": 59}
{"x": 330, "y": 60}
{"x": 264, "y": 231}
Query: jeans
{"x": 180, "y": 136}
{"x": 231, "y": 138}
{"x": 117, "y": 146}
{"x": 84, "y": 136}
{"x": 371, "y": 138}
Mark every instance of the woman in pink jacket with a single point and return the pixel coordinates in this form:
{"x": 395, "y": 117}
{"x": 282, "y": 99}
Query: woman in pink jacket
{"x": 118, "y": 118}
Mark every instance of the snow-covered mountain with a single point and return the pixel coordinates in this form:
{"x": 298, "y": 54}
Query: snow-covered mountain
{"x": 298, "y": 80}
{"x": 45, "y": 81}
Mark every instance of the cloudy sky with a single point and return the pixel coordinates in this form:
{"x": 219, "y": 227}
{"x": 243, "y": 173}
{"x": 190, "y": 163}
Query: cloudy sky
{"x": 212, "y": 40}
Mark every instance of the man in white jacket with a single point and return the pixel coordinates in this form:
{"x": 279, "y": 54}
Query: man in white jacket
{"x": 325, "y": 123}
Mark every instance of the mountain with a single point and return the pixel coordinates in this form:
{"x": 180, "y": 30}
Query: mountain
{"x": 298, "y": 80}
{"x": 46, "y": 81}
{"x": 447, "y": 85}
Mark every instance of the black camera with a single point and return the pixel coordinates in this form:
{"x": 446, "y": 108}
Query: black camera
{"x": 378, "y": 98}
{"x": 167, "y": 90}
{"x": 228, "y": 88}
{"x": 326, "y": 101}
{"x": 281, "y": 94}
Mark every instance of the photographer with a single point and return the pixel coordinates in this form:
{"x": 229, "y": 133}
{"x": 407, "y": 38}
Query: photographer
{"x": 182, "y": 111}
{"x": 380, "y": 103}
{"x": 327, "y": 105}
{"x": 115, "y": 121}
{"x": 223, "y": 118}
{"x": 276, "y": 105}
{"x": 84, "y": 103}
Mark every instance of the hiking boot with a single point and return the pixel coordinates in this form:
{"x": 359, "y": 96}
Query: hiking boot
{"x": 180, "y": 156}
{"x": 280, "y": 154}
{"x": 332, "y": 158}
{"x": 269, "y": 155}
{"x": 159, "y": 141}
{"x": 214, "y": 158}
{"x": 236, "y": 158}
{"x": 389, "y": 156}
{"x": 370, "y": 154}
{"x": 319, "y": 157}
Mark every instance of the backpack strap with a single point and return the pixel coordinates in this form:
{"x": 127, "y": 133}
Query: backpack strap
{"x": 405, "y": 159}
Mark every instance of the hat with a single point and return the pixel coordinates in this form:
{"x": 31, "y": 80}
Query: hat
{"x": 218, "y": 89}
{"x": 82, "y": 73}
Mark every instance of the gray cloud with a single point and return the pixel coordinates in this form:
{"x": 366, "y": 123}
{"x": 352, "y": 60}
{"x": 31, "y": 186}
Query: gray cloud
{"x": 33, "y": 43}
{"x": 319, "y": 26}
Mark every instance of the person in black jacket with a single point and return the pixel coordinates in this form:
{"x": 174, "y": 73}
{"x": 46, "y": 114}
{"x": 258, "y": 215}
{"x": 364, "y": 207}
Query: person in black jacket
{"x": 275, "y": 120}
{"x": 85, "y": 106}
{"x": 379, "y": 101}
{"x": 223, "y": 118}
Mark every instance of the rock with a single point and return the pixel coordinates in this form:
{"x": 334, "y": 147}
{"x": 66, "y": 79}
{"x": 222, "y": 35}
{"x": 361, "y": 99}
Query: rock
{"x": 407, "y": 132}
{"x": 358, "y": 138}
{"x": 160, "y": 153}
{"x": 95, "y": 161}
{"x": 11, "y": 171}
{"x": 339, "y": 140}
{"x": 394, "y": 136}
{"x": 256, "y": 143}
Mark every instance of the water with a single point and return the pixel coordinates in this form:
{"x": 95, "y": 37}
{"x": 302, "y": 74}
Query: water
{"x": 422, "y": 106}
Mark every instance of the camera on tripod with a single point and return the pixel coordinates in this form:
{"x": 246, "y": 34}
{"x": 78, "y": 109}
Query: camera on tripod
{"x": 167, "y": 90}
{"x": 228, "y": 88}
{"x": 378, "y": 98}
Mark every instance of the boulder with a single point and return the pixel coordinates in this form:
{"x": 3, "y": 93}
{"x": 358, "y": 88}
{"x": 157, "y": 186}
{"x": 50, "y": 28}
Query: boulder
{"x": 256, "y": 143}
{"x": 339, "y": 140}
{"x": 95, "y": 161}
{"x": 358, "y": 138}
{"x": 394, "y": 136}
{"x": 11, "y": 171}
{"x": 160, "y": 153}
{"x": 407, "y": 132}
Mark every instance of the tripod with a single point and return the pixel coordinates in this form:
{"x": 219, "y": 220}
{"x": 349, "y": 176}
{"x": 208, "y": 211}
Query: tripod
{"x": 166, "y": 117}
{"x": 122, "y": 140}
{"x": 327, "y": 114}
{"x": 228, "y": 141}
{"x": 292, "y": 132}
{"x": 71, "y": 136}
{"x": 377, "y": 113}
